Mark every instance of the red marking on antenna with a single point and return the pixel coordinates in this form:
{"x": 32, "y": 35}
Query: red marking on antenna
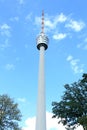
{"x": 42, "y": 28}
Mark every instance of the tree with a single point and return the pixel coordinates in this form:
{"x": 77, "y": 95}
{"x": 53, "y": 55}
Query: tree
{"x": 72, "y": 109}
{"x": 9, "y": 114}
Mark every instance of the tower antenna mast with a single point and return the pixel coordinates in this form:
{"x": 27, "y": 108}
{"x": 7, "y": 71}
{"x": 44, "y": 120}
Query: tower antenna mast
{"x": 42, "y": 28}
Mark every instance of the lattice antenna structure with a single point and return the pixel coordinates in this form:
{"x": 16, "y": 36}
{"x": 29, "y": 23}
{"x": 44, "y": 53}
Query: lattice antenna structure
{"x": 42, "y": 27}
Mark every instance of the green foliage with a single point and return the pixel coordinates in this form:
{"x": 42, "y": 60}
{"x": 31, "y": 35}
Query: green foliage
{"x": 72, "y": 109}
{"x": 9, "y": 114}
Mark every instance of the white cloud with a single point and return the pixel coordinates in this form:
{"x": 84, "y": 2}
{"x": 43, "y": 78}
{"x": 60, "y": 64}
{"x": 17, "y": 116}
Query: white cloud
{"x": 5, "y": 45}
{"x": 83, "y": 45}
{"x": 60, "y": 18}
{"x": 75, "y": 25}
{"x": 76, "y": 67}
{"x": 5, "y": 26}
{"x": 51, "y": 22}
{"x": 9, "y": 67}
{"x": 54, "y": 24}
{"x": 37, "y": 20}
{"x": 48, "y": 23}
{"x": 5, "y": 30}
{"x": 21, "y": 2}
{"x": 30, "y": 124}
{"x": 69, "y": 58}
{"x": 28, "y": 17}
{"x": 16, "y": 18}
{"x": 59, "y": 36}
{"x": 52, "y": 123}
{"x": 21, "y": 99}
{"x": 80, "y": 45}
{"x": 85, "y": 40}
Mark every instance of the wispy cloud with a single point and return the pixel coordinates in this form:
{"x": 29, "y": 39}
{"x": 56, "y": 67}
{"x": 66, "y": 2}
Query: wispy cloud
{"x": 5, "y": 30}
{"x": 59, "y": 36}
{"x": 61, "y": 18}
{"x": 21, "y": 1}
{"x": 5, "y": 33}
{"x": 52, "y": 124}
{"x": 75, "y": 25}
{"x": 28, "y": 17}
{"x": 10, "y": 67}
{"x": 83, "y": 45}
{"x": 5, "y": 26}
{"x": 76, "y": 67}
{"x": 49, "y": 24}
{"x": 21, "y": 100}
{"x": 54, "y": 24}
{"x": 5, "y": 45}
{"x": 13, "y": 19}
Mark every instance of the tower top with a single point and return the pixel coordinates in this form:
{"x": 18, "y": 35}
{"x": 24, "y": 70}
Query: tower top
{"x": 42, "y": 24}
{"x": 42, "y": 39}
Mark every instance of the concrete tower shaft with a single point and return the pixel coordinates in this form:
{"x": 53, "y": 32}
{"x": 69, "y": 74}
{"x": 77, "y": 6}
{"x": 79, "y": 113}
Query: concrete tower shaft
{"x": 41, "y": 103}
{"x": 42, "y": 45}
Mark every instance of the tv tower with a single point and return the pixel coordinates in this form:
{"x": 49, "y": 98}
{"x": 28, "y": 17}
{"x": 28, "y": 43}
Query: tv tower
{"x": 42, "y": 45}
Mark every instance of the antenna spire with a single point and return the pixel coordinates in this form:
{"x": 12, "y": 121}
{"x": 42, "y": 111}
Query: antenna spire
{"x": 42, "y": 27}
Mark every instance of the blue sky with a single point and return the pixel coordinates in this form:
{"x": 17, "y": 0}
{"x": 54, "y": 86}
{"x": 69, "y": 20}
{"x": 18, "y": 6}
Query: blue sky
{"x": 65, "y": 59}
